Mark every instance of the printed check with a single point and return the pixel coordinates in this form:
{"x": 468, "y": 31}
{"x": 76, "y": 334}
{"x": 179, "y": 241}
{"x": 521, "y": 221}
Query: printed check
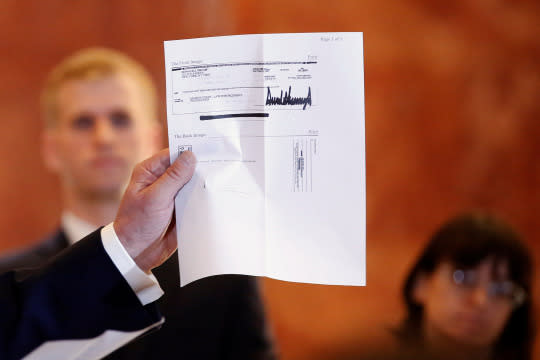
{"x": 277, "y": 124}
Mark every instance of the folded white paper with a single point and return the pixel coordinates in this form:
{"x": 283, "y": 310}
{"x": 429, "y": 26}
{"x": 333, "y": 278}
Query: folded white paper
{"x": 87, "y": 349}
{"x": 277, "y": 124}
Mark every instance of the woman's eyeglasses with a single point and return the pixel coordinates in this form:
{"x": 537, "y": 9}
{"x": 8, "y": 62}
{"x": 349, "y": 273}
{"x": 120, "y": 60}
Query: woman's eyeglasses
{"x": 497, "y": 290}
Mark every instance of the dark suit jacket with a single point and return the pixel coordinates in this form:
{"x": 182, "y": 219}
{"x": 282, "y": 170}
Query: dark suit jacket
{"x": 219, "y": 317}
{"x": 79, "y": 295}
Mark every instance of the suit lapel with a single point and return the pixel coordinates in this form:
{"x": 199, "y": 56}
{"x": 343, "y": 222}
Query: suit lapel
{"x": 52, "y": 245}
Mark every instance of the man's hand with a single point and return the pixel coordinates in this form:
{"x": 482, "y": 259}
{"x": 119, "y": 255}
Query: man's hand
{"x": 144, "y": 223}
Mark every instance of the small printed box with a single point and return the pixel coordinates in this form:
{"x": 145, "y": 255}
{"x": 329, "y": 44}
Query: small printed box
{"x": 182, "y": 148}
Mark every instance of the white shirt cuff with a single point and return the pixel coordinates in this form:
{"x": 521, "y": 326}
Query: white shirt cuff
{"x": 145, "y": 286}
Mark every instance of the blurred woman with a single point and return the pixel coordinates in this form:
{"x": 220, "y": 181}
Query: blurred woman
{"x": 468, "y": 294}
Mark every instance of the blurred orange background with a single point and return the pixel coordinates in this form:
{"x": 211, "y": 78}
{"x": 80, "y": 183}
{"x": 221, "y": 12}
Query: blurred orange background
{"x": 452, "y": 123}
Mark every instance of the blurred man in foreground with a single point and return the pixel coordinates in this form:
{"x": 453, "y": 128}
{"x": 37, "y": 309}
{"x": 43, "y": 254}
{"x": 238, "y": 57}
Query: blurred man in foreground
{"x": 100, "y": 113}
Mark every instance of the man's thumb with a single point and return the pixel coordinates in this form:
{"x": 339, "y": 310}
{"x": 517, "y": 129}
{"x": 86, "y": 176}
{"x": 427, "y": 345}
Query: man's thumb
{"x": 176, "y": 175}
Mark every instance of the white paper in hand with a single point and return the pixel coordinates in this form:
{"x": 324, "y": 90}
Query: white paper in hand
{"x": 277, "y": 124}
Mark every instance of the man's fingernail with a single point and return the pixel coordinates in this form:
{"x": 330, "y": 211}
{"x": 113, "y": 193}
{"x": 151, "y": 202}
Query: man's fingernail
{"x": 188, "y": 158}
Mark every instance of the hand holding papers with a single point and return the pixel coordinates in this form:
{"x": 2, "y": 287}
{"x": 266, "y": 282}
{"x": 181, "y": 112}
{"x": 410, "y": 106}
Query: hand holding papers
{"x": 277, "y": 124}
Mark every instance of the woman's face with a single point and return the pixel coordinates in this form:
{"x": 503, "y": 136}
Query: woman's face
{"x": 466, "y": 307}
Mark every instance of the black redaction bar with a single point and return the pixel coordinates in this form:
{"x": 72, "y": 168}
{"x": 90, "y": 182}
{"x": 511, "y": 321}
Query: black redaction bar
{"x": 228, "y": 116}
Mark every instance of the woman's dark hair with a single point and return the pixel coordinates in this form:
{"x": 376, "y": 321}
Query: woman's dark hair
{"x": 466, "y": 241}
